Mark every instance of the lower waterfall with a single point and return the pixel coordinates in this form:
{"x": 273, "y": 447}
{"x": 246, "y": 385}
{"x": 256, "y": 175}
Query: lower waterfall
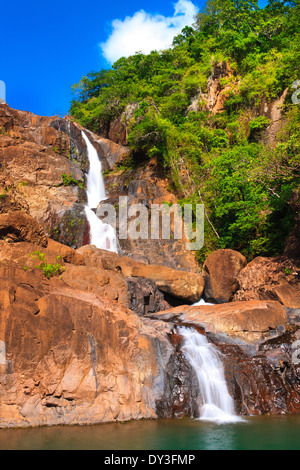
{"x": 216, "y": 403}
{"x": 102, "y": 235}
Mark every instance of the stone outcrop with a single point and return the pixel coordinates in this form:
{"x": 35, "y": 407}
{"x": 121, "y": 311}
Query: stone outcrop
{"x": 251, "y": 322}
{"x": 34, "y": 156}
{"x": 270, "y": 278}
{"x": 148, "y": 185}
{"x": 20, "y": 227}
{"x": 215, "y": 97}
{"x": 220, "y": 270}
{"x": 180, "y": 284}
{"x": 117, "y": 129}
{"x": 273, "y": 111}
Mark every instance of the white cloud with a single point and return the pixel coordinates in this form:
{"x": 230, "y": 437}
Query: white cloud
{"x": 145, "y": 32}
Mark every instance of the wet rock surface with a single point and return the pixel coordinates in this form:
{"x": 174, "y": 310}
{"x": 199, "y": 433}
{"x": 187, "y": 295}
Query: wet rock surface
{"x": 260, "y": 360}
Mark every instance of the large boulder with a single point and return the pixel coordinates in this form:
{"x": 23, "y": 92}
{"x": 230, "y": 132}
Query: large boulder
{"x": 29, "y": 255}
{"x": 220, "y": 270}
{"x": 179, "y": 284}
{"x": 65, "y": 253}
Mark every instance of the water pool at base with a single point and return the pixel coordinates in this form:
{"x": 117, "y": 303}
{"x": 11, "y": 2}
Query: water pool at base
{"x": 256, "y": 433}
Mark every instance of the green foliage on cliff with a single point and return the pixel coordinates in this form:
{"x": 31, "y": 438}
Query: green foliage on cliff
{"x": 49, "y": 270}
{"x": 229, "y": 159}
{"x": 69, "y": 180}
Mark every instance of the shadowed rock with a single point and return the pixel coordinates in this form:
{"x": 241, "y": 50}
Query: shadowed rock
{"x": 19, "y": 227}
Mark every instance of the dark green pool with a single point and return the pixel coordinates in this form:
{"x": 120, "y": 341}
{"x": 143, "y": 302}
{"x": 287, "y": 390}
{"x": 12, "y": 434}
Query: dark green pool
{"x": 266, "y": 433}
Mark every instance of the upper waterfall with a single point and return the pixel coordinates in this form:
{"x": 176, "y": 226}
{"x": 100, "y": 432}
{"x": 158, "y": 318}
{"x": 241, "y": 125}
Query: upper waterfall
{"x": 95, "y": 183}
{"x": 102, "y": 235}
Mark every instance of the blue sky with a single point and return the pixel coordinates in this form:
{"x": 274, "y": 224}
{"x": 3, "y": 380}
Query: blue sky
{"x": 48, "y": 46}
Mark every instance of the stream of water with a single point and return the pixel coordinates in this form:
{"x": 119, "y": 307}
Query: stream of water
{"x": 102, "y": 235}
{"x": 215, "y": 402}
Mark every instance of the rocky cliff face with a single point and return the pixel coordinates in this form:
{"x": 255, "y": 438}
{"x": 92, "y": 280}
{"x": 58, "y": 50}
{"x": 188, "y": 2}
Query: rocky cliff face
{"x": 34, "y": 156}
{"x": 72, "y": 351}
{"x": 90, "y": 336}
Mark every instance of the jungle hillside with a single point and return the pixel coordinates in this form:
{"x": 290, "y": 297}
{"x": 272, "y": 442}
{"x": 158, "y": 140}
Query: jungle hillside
{"x": 219, "y": 111}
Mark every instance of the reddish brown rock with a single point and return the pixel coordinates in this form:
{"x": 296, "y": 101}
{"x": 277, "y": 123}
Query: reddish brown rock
{"x": 72, "y": 354}
{"x": 11, "y": 196}
{"x": 65, "y": 253}
{"x": 72, "y": 358}
{"x": 217, "y": 93}
{"x": 147, "y": 184}
{"x": 35, "y": 153}
{"x": 19, "y": 227}
{"x": 105, "y": 284}
{"x": 179, "y": 284}
{"x": 270, "y": 279}
{"x": 251, "y": 321}
{"x": 220, "y": 270}
{"x": 141, "y": 295}
{"x": 110, "y": 153}
{"x": 118, "y": 128}
{"x": 26, "y": 255}
{"x": 288, "y": 295}
{"x": 33, "y": 160}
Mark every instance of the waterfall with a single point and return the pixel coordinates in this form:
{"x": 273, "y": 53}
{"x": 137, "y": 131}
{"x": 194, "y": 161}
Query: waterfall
{"x": 102, "y": 235}
{"x": 201, "y": 302}
{"x": 217, "y": 404}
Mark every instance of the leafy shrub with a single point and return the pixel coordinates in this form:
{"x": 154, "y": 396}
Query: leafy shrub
{"x": 69, "y": 180}
{"x": 49, "y": 270}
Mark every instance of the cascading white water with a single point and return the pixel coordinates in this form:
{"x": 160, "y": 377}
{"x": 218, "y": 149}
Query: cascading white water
{"x": 201, "y": 302}
{"x": 102, "y": 235}
{"x": 217, "y": 404}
